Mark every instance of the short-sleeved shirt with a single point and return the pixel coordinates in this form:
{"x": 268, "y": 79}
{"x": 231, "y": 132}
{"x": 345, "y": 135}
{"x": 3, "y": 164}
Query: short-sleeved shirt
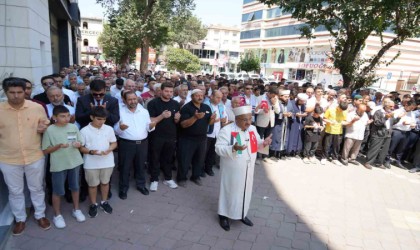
{"x": 200, "y": 126}
{"x": 98, "y": 139}
{"x": 338, "y": 115}
{"x": 313, "y": 134}
{"x": 166, "y": 128}
{"x": 356, "y": 131}
{"x": 63, "y": 158}
{"x": 20, "y": 143}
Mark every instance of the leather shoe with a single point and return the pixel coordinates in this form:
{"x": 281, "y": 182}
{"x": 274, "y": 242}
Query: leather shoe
{"x": 143, "y": 190}
{"x": 203, "y": 174}
{"x": 224, "y": 223}
{"x": 247, "y": 222}
{"x": 122, "y": 195}
{"x": 44, "y": 223}
{"x": 387, "y": 165}
{"x": 197, "y": 181}
{"x": 19, "y": 228}
{"x": 182, "y": 184}
{"x": 381, "y": 166}
{"x": 210, "y": 172}
{"x": 368, "y": 166}
{"x": 400, "y": 165}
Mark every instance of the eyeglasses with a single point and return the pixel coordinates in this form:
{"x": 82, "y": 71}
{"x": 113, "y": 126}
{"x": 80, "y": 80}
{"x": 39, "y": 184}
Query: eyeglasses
{"x": 47, "y": 83}
{"x": 98, "y": 94}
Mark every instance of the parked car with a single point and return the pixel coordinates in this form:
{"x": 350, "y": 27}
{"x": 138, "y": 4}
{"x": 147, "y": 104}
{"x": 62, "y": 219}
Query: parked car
{"x": 301, "y": 82}
{"x": 228, "y": 76}
{"x": 242, "y": 76}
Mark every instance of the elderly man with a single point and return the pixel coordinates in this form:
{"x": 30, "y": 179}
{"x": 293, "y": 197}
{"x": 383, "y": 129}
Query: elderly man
{"x": 48, "y": 81}
{"x": 21, "y": 127}
{"x": 129, "y": 85}
{"x": 217, "y": 108}
{"x": 182, "y": 97}
{"x": 56, "y": 97}
{"x": 195, "y": 120}
{"x": 237, "y": 146}
{"x": 235, "y": 103}
{"x": 280, "y": 135}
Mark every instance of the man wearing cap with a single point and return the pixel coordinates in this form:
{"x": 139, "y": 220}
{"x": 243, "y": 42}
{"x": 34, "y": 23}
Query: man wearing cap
{"x": 195, "y": 120}
{"x": 237, "y": 146}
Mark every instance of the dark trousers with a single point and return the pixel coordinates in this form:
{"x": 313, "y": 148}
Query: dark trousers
{"x": 335, "y": 141}
{"x": 211, "y": 154}
{"x": 132, "y": 154}
{"x": 399, "y": 141}
{"x": 378, "y": 149}
{"x": 161, "y": 156}
{"x": 191, "y": 152}
{"x": 309, "y": 148}
{"x": 409, "y": 150}
{"x": 264, "y": 133}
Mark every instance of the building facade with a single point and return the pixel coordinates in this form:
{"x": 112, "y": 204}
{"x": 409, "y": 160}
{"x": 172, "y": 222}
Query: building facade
{"x": 273, "y": 36}
{"x": 219, "y": 51}
{"x": 37, "y": 38}
{"x": 91, "y": 28}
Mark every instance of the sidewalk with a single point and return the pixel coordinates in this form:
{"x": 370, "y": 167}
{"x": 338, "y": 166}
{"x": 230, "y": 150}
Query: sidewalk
{"x": 294, "y": 205}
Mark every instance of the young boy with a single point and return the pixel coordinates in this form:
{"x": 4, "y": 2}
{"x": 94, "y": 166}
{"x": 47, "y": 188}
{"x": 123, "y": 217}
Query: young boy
{"x": 313, "y": 127}
{"x": 62, "y": 141}
{"x": 100, "y": 141}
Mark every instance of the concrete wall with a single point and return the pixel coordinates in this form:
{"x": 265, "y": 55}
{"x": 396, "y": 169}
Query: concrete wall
{"x": 25, "y": 45}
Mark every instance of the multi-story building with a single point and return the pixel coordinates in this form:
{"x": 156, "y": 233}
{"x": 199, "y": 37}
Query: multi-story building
{"x": 219, "y": 51}
{"x": 91, "y": 28}
{"x": 271, "y": 34}
{"x": 37, "y": 38}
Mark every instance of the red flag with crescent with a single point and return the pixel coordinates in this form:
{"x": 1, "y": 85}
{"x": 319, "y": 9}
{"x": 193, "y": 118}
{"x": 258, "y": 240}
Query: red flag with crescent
{"x": 253, "y": 142}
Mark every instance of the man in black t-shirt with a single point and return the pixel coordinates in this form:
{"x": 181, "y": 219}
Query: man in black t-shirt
{"x": 165, "y": 112}
{"x": 195, "y": 120}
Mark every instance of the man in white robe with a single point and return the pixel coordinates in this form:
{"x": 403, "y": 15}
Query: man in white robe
{"x": 237, "y": 145}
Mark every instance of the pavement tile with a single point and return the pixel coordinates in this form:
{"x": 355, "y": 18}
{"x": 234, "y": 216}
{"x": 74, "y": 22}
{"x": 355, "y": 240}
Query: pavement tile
{"x": 224, "y": 244}
{"x": 247, "y": 236}
{"x": 242, "y": 245}
{"x": 300, "y": 244}
{"x": 166, "y": 243}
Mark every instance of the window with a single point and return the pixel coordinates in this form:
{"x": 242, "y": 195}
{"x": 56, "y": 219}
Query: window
{"x": 235, "y": 34}
{"x": 276, "y": 12}
{"x": 226, "y": 33}
{"x": 85, "y": 25}
{"x": 225, "y": 42}
{"x": 252, "y": 16}
{"x": 249, "y": 34}
{"x": 284, "y": 31}
{"x": 85, "y": 42}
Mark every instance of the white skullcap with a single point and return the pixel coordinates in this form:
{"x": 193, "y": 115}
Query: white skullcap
{"x": 195, "y": 91}
{"x": 302, "y": 96}
{"x": 242, "y": 110}
{"x": 285, "y": 92}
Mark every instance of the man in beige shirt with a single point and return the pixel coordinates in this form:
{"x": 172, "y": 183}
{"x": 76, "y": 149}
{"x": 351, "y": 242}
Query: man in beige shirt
{"x": 21, "y": 127}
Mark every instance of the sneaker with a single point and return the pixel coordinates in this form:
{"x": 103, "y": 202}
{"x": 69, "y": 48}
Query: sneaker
{"x": 78, "y": 215}
{"x": 306, "y": 160}
{"x": 153, "y": 186}
{"x": 170, "y": 184}
{"x": 106, "y": 207}
{"x": 323, "y": 161}
{"x": 93, "y": 210}
{"x": 313, "y": 159}
{"x": 336, "y": 162}
{"x": 59, "y": 222}
{"x": 414, "y": 170}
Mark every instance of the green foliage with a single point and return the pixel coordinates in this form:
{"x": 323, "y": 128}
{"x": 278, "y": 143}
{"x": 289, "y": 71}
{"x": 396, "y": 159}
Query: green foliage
{"x": 350, "y": 23}
{"x": 116, "y": 39}
{"x": 184, "y": 31}
{"x": 182, "y": 60}
{"x": 152, "y": 19}
{"x": 250, "y": 63}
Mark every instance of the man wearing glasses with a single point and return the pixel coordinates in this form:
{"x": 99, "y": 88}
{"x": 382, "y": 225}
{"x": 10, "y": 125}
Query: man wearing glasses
{"x": 97, "y": 97}
{"x": 48, "y": 81}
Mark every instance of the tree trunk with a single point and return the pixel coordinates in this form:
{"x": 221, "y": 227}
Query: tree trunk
{"x": 144, "y": 60}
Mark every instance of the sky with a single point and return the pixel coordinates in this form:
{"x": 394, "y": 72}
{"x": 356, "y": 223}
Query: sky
{"x": 225, "y": 12}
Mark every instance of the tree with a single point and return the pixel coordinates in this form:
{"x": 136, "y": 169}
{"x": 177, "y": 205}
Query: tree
{"x": 116, "y": 40}
{"x": 350, "y": 23}
{"x": 250, "y": 63}
{"x": 187, "y": 31}
{"x": 182, "y": 60}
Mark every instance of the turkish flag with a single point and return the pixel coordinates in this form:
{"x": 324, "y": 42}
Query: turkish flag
{"x": 253, "y": 142}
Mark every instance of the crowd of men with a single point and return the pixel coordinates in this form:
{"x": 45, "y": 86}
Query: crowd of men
{"x": 166, "y": 122}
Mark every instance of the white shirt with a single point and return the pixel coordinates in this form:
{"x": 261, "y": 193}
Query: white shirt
{"x": 178, "y": 99}
{"x": 312, "y": 102}
{"x": 114, "y": 90}
{"x": 252, "y": 101}
{"x": 217, "y": 125}
{"x": 50, "y": 108}
{"x": 408, "y": 118}
{"x": 71, "y": 95}
{"x": 137, "y": 122}
{"x": 357, "y": 129}
{"x": 98, "y": 139}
